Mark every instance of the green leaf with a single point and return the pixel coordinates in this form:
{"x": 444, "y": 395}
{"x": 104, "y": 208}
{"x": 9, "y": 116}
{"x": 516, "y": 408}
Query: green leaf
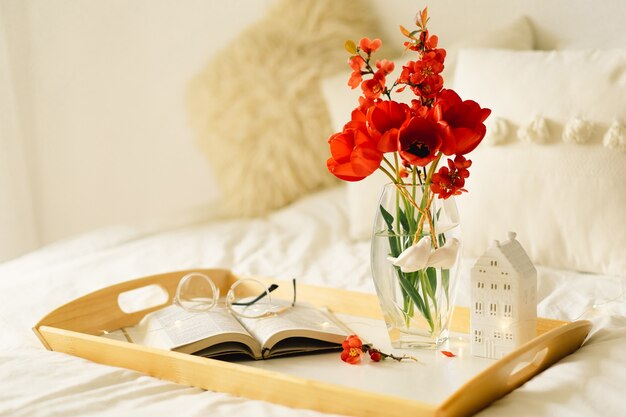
{"x": 430, "y": 282}
{"x": 445, "y": 281}
{"x": 394, "y": 241}
{"x": 404, "y": 221}
{"x": 405, "y": 31}
{"x": 417, "y": 299}
{"x": 350, "y": 46}
{"x": 407, "y": 241}
{"x": 394, "y": 246}
{"x": 412, "y": 278}
{"x": 387, "y": 217}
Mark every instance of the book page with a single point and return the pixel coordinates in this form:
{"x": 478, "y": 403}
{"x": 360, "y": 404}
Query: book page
{"x": 173, "y": 328}
{"x": 303, "y": 320}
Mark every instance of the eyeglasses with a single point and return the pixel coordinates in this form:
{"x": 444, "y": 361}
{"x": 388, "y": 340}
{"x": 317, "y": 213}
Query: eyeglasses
{"x": 248, "y": 298}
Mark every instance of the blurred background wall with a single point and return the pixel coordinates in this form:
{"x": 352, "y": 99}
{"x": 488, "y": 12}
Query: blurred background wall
{"x": 93, "y": 128}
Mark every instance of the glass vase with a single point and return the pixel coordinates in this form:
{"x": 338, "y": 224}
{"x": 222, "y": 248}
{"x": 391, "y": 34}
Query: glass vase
{"x": 414, "y": 258}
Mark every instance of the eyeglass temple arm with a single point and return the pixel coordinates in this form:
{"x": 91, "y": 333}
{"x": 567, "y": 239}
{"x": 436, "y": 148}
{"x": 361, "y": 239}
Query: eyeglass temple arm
{"x": 269, "y": 289}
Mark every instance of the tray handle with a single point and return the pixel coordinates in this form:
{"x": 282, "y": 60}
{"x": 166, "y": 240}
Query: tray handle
{"x": 515, "y": 369}
{"x": 100, "y": 310}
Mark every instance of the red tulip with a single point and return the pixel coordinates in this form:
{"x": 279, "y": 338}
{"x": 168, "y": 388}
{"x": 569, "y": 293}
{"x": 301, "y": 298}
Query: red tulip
{"x": 419, "y": 141}
{"x": 461, "y": 122}
{"x": 354, "y": 155}
{"x": 384, "y": 120}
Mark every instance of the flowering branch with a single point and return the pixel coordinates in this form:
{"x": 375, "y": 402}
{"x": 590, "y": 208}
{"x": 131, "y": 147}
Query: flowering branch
{"x": 436, "y": 123}
{"x": 354, "y": 349}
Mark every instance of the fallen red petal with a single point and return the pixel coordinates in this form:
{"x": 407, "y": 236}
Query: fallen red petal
{"x": 448, "y": 353}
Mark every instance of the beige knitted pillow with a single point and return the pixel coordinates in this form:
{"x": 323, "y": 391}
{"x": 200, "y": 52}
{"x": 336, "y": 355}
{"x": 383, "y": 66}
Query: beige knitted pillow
{"x": 257, "y": 109}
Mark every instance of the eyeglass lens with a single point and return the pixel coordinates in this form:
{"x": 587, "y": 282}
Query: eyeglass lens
{"x": 197, "y": 292}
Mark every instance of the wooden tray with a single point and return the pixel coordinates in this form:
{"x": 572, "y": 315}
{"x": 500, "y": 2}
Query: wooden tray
{"x": 75, "y": 328}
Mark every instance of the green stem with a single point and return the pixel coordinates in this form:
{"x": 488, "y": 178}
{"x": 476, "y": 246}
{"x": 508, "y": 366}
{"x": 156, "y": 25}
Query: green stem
{"x": 395, "y": 161}
{"x": 398, "y": 181}
{"x": 426, "y": 308}
{"x": 387, "y": 173}
{"x": 425, "y": 195}
{"x": 429, "y": 176}
{"x": 412, "y": 215}
{"x": 392, "y": 169}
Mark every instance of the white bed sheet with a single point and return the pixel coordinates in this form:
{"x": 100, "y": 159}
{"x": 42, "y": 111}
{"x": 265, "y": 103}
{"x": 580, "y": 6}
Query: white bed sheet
{"x": 308, "y": 240}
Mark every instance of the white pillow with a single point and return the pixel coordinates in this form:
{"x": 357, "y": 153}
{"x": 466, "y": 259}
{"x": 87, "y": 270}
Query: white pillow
{"x": 566, "y": 200}
{"x": 557, "y": 85}
{"x": 341, "y": 100}
{"x": 518, "y": 35}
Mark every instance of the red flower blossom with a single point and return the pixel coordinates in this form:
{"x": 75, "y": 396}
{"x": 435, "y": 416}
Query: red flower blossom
{"x": 423, "y": 76}
{"x": 374, "y": 87}
{"x": 407, "y": 73}
{"x": 369, "y": 46}
{"x": 429, "y": 41}
{"x": 384, "y": 120}
{"x": 354, "y": 155}
{"x": 385, "y": 66}
{"x": 352, "y": 350}
{"x": 352, "y": 341}
{"x": 419, "y": 109}
{"x": 419, "y": 140}
{"x": 416, "y": 72}
{"x": 450, "y": 180}
{"x": 356, "y": 63}
{"x": 430, "y": 87}
{"x": 461, "y": 164}
{"x": 461, "y": 122}
{"x": 352, "y": 355}
{"x": 375, "y": 355}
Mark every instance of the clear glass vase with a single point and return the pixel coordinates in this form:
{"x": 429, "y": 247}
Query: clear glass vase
{"x": 414, "y": 259}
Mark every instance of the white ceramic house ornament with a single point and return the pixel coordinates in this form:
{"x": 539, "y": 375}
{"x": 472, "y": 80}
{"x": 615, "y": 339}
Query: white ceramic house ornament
{"x": 503, "y": 299}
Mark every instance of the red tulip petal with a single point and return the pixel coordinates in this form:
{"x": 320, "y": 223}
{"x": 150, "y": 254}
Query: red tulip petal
{"x": 365, "y": 160}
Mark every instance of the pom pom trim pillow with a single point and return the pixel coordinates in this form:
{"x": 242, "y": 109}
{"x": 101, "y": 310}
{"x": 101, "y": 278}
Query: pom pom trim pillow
{"x": 552, "y": 166}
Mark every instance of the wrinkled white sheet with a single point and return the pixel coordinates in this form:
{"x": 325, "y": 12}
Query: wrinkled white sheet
{"x": 307, "y": 240}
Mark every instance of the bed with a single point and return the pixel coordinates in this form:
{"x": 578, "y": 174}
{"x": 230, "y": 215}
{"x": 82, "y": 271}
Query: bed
{"x": 321, "y": 235}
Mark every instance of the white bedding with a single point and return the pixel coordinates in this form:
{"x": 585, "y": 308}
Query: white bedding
{"x": 307, "y": 240}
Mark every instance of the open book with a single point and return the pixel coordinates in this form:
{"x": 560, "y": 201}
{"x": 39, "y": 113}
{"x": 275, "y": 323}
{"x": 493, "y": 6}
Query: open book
{"x": 300, "y": 329}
